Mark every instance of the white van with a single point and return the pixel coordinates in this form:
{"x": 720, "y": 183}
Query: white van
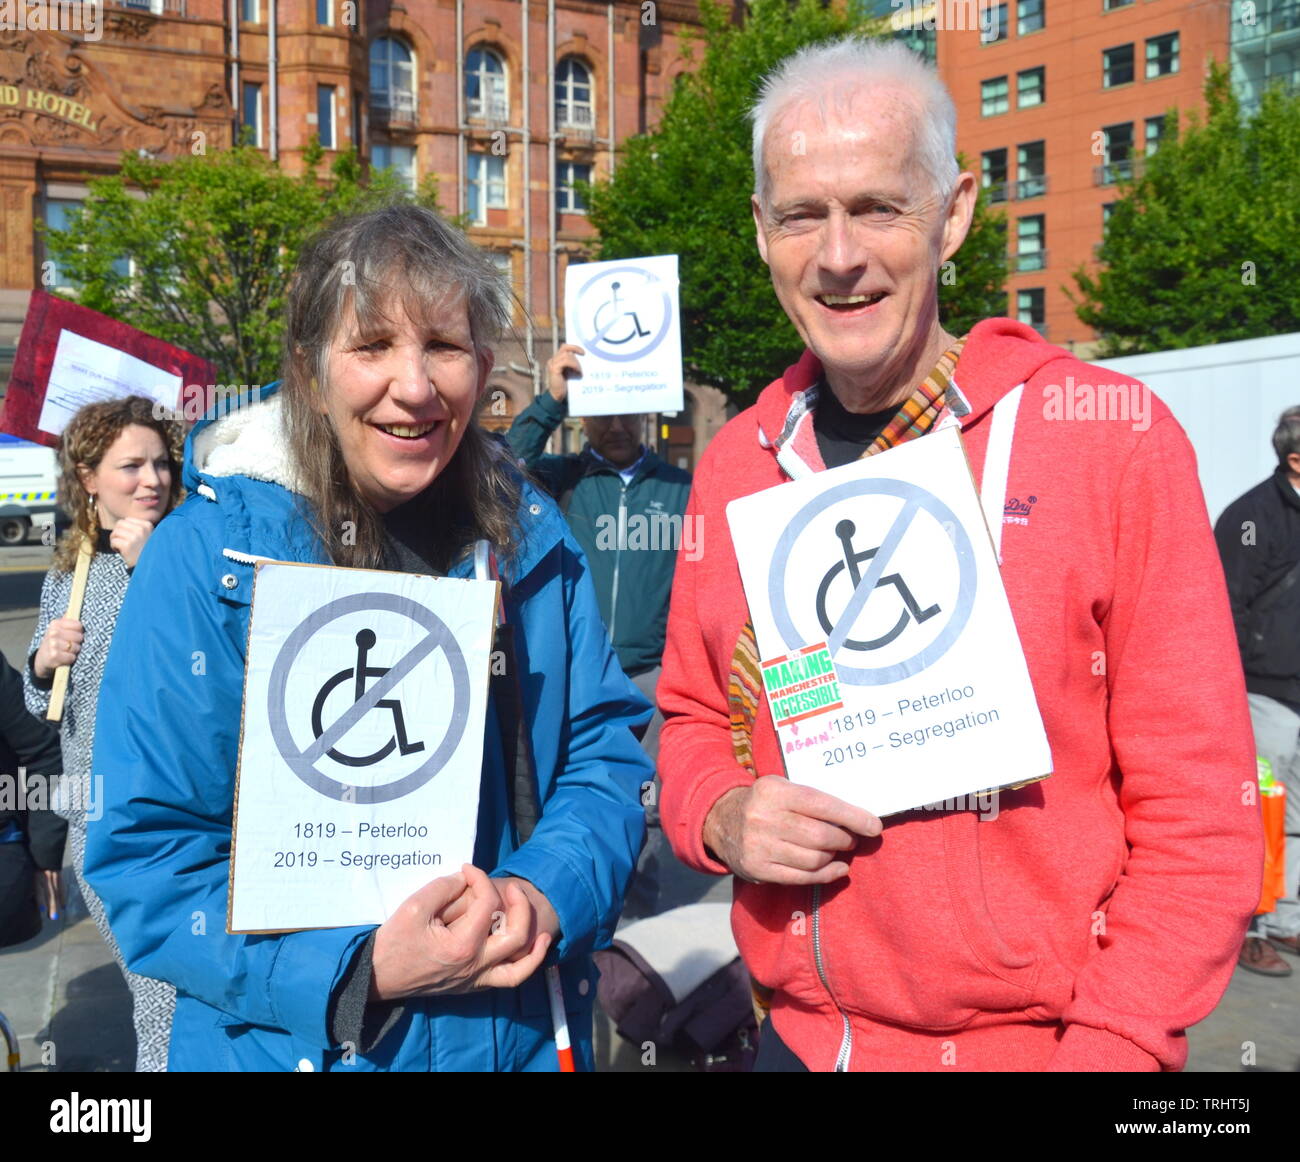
{"x": 29, "y": 478}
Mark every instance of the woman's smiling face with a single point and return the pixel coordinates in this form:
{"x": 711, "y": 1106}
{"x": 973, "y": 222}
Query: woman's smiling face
{"x": 401, "y": 395}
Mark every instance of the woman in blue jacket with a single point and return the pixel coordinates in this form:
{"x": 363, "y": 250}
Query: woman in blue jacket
{"x": 368, "y": 455}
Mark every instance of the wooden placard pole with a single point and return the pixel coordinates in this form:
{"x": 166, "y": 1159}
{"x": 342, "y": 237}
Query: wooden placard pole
{"x": 80, "y": 575}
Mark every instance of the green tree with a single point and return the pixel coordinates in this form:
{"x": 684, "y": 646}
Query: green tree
{"x": 684, "y": 189}
{"x": 1199, "y": 248}
{"x": 212, "y": 242}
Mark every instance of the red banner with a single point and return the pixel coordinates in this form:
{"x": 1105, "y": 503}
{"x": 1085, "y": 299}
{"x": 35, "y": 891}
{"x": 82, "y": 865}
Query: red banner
{"x": 48, "y": 317}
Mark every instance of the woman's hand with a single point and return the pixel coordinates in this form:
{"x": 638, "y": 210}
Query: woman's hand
{"x": 59, "y": 647}
{"x": 128, "y": 538}
{"x": 458, "y": 934}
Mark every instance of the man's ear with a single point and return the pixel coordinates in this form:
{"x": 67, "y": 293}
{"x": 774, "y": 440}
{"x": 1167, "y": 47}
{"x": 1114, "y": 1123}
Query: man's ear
{"x": 961, "y": 211}
{"x": 759, "y": 232}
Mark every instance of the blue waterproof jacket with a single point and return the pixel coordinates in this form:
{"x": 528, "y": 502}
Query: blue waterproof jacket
{"x": 166, "y": 749}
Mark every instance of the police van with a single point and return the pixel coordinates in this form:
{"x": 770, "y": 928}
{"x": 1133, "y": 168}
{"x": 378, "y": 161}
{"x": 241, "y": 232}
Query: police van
{"x": 29, "y": 475}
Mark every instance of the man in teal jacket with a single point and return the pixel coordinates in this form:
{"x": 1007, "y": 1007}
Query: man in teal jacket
{"x": 626, "y": 508}
{"x": 167, "y": 745}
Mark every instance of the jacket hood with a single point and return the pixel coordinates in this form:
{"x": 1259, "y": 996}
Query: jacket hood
{"x": 999, "y": 355}
{"x": 242, "y": 435}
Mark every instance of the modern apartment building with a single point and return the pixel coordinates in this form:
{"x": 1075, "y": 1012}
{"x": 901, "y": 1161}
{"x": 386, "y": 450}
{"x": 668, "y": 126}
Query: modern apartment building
{"x": 1057, "y": 101}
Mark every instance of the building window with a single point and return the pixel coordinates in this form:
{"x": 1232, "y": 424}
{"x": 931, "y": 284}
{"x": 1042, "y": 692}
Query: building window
{"x": 1155, "y": 131}
{"x": 250, "y": 109}
{"x": 485, "y": 186}
{"x": 567, "y": 199}
{"x": 1111, "y": 5}
{"x": 1031, "y": 309}
{"x": 1162, "y": 55}
{"x": 325, "y": 12}
{"x": 502, "y": 261}
{"x": 60, "y": 214}
{"x": 399, "y": 158}
{"x": 1030, "y": 253}
{"x": 248, "y": 11}
{"x": 1029, "y": 16}
{"x": 573, "y": 108}
{"x": 1031, "y": 169}
{"x": 485, "y": 86}
{"x": 993, "y": 174}
{"x": 392, "y": 77}
{"x": 993, "y": 96}
{"x": 994, "y": 27}
{"x": 1117, "y": 66}
{"x": 1118, "y": 161}
{"x": 1106, "y": 211}
{"x": 325, "y": 116}
{"x": 1031, "y": 88}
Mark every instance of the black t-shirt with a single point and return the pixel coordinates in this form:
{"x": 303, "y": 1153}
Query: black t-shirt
{"x": 842, "y": 436}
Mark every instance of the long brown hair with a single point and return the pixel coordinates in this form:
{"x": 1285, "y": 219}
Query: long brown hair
{"x": 86, "y": 440}
{"x": 368, "y": 264}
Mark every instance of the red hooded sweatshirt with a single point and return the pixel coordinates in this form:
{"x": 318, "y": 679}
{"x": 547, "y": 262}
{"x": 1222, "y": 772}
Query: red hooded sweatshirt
{"x": 1099, "y": 913}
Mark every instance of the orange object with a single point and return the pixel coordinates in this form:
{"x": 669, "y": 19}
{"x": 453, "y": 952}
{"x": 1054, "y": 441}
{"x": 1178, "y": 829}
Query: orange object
{"x": 1272, "y": 806}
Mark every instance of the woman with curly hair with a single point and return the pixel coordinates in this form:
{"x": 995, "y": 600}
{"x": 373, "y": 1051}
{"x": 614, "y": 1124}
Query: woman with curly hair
{"x": 121, "y": 474}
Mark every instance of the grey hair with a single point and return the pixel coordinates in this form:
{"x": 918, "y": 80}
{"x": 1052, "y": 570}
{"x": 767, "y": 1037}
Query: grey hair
{"x": 1286, "y": 436}
{"x": 405, "y": 257}
{"x": 836, "y": 69}
{"x": 359, "y": 263}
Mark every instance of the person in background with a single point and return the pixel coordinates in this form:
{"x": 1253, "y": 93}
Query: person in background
{"x": 32, "y": 837}
{"x": 1259, "y": 541}
{"x": 120, "y": 475}
{"x": 367, "y": 455}
{"x": 625, "y": 506}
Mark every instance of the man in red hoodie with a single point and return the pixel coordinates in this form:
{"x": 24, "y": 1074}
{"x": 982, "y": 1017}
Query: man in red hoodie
{"x": 1092, "y": 917}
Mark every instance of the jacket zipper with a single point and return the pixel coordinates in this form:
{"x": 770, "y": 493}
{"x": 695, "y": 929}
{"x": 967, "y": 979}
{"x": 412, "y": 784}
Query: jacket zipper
{"x": 618, "y": 556}
{"x": 846, "y": 1042}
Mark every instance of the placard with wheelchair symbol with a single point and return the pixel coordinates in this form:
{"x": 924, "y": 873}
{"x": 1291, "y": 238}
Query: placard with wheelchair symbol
{"x": 365, "y": 696}
{"x": 891, "y": 661}
{"x": 624, "y": 316}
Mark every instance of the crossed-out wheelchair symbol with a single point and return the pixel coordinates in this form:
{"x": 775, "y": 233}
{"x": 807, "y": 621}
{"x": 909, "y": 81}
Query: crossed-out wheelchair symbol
{"x": 360, "y": 672}
{"x": 852, "y": 559}
{"x": 371, "y": 685}
{"x": 949, "y": 537}
{"x": 623, "y": 314}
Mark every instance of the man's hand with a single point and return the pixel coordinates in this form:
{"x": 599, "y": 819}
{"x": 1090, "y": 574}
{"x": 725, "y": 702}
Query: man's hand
{"x": 458, "y": 934}
{"x": 563, "y": 364}
{"x": 59, "y": 647}
{"x": 779, "y": 832}
{"x": 128, "y": 538}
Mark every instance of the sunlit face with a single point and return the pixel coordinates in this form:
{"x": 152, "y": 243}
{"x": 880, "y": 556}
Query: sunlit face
{"x": 133, "y": 479}
{"x": 854, "y": 233}
{"x": 617, "y": 438}
{"x": 401, "y": 397}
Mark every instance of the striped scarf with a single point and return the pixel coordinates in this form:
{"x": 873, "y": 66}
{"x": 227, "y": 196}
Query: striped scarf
{"x": 916, "y": 417}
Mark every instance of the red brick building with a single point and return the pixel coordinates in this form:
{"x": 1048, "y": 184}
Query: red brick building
{"x": 535, "y": 98}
